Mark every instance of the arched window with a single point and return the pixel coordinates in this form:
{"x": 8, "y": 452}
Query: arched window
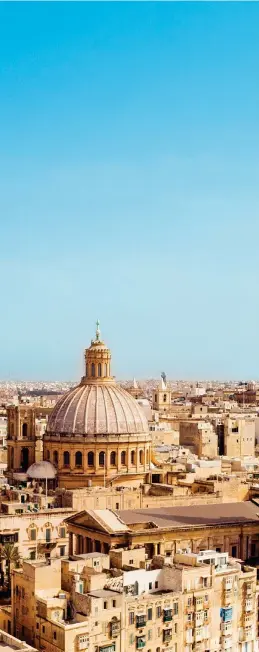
{"x": 123, "y": 458}
{"x": 24, "y": 430}
{"x": 105, "y": 370}
{"x": 48, "y": 455}
{"x": 132, "y": 457}
{"x": 101, "y": 458}
{"x": 55, "y": 457}
{"x": 86, "y": 370}
{"x": 141, "y": 456}
{"x": 93, "y": 369}
{"x": 24, "y": 459}
{"x": 113, "y": 458}
{"x": 66, "y": 458}
{"x": 90, "y": 459}
{"x": 79, "y": 458}
{"x": 99, "y": 370}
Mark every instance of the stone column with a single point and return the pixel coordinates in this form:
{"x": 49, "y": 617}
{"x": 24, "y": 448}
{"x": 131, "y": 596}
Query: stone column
{"x": 70, "y": 548}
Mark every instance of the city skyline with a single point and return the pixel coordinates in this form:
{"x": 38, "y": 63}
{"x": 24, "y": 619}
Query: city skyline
{"x": 129, "y": 188}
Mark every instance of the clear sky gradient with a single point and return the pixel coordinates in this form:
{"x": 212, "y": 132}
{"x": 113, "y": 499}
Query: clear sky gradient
{"x": 129, "y": 187}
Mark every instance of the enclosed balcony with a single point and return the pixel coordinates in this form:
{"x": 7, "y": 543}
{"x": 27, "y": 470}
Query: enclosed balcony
{"x": 167, "y": 635}
{"x": 167, "y": 615}
{"x": 141, "y": 621}
{"x": 141, "y": 642}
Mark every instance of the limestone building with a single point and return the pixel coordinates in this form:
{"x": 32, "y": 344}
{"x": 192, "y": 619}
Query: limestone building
{"x": 228, "y": 527}
{"x": 97, "y": 431}
{"x": 204, "y": 602}
{"x": 199, "y": 436}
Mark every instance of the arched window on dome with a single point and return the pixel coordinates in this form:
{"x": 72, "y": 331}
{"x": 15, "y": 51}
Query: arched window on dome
{"x": 99, "y": 370}
{"x": 101, "y": 458}
{"x": 90, "y": 458}
{"x": 79, "y": 458}
{"x": 48, "y": 455}
{"x": 55, "y": 458}
{"x": 141, "y": 457}
{"x": 93, "y": 370}
{"x": 123, "y": 458}
{"x": 66, "y": 458}
{"x": 86, "y": 370}
{"x": 113, "y": 459}
{"x": 132, "y": 457}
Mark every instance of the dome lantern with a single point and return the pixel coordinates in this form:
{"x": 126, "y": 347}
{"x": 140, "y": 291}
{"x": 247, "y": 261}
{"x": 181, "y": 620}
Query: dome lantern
{"x": 97, "y": 360}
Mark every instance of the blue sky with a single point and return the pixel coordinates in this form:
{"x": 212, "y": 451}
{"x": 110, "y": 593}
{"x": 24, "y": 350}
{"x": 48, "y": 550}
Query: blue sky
{"x": 129, "y": 187}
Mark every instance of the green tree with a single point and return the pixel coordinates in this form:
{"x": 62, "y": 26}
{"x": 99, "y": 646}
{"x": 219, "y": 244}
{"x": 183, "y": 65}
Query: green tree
{"x": 10, "y": 554}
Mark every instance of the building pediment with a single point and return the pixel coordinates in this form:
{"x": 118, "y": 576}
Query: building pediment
{"x": 104, "y": 520}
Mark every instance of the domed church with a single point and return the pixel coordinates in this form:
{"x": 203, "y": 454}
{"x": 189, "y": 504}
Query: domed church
{"x": 97, "y": 432}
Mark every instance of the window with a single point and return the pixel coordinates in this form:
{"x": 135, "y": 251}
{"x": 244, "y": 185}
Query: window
{"x": 101, "y": 458}
{"x": 66, "y": 458}
{"x": 37, "y": 625}
{"x": 149, "y": 614}
{"x": 55, "y": 457}
{"x": 33, "y": 554}
{"x": 62, "y": 551}
{"x": 48, "y": 534}
{"x": 175, "y": 608}
{"x": 164, "y": 398}
{"x": 86, "y": 370}
{"x": 99, "y": 370}
{"x": 93, "y": 370}
{"x": 189, "y": 618}
{"x": 43, "y": 629}
{"x": 158, "y": 612}
{"x": 234, "y": 551}
{"x": 62, "y": 532}
{"x": 175, "y": 628}
{"x": 79, "y": 458}
{"x": 156, "y": 585}
{"x": 131, "y": 639}
{"x": 113, "y": 458}
{"x": 131, "y": 618}
{"x": 54, "y": 635}
{"x": 149, "y": 634}
{"x": 114, "y": 603}
{"x": 235, "y": 429}
{"x": 48, "y": 455}
{"x": 132, "y": 457}
{"x": 117, "y": 505}
{"x": 123, "y": 458}
{"x": 141, "y": 457}
{"x": 90, "y": 459}
{"x": 33, "y": 534}
{"x": 105, "y": 604}
{"x": 189, "y": 602}
{"x": 83, "y": 641}
{"x": 150, "y": 586}
{"x": 156, "y": 398}
{"x": 24, "y": 430}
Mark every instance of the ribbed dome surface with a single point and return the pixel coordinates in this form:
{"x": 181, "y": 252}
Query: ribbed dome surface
{"x": 97, "y": 409}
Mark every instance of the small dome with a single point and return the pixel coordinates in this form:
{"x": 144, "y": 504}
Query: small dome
{"x": 40, "y": 470}
{"x": 104, "y": 409}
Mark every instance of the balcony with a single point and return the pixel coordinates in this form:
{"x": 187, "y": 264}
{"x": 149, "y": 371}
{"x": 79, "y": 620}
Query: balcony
{"x": 167, "y": 617}
{"x": 141, "y": 622}
{"x": 249, "y": 605}
{"x": 226, "y": 629}
{"x": 226, "y": 643}
{"x": 141, "y": 642}
{"x": 167, "y": 635}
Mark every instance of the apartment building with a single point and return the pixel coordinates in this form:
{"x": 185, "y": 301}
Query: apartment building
{"x": 201, "y": 602}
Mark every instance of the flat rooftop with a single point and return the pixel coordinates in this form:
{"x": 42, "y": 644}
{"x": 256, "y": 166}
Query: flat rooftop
{"x": 193, "y": 515}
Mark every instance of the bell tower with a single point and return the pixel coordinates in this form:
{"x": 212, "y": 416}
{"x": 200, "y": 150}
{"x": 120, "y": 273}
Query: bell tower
{"x": 162, "y": 396}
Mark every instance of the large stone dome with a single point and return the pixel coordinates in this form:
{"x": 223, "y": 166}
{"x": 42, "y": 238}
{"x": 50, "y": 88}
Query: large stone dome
{"x": 97, "y": 408}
